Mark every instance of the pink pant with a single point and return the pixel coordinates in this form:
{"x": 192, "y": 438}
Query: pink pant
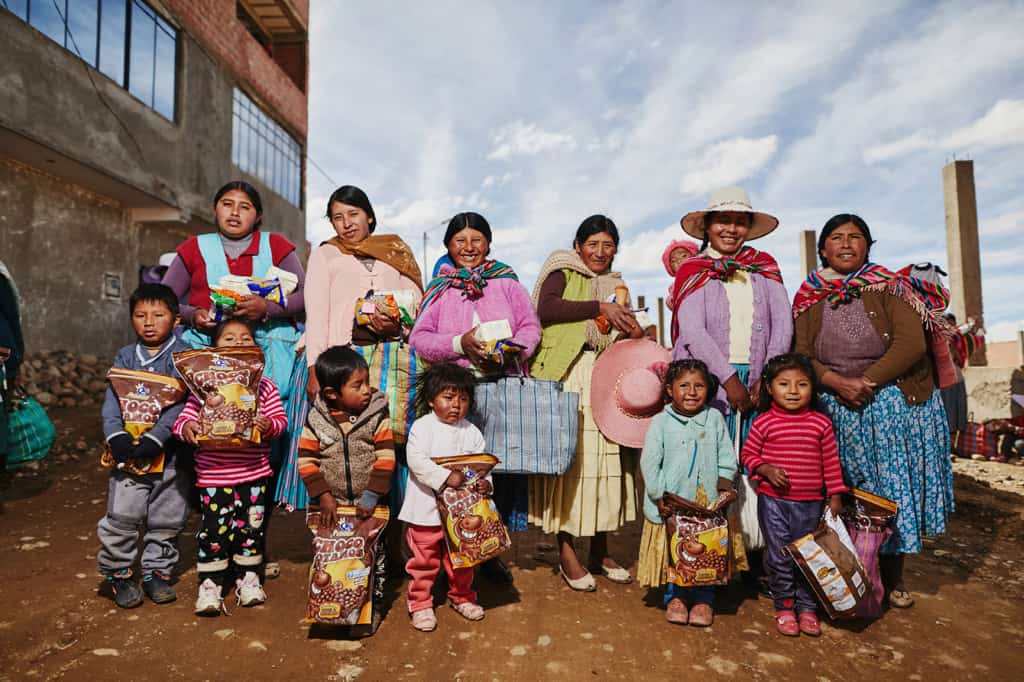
{"x": 429, "y": 552}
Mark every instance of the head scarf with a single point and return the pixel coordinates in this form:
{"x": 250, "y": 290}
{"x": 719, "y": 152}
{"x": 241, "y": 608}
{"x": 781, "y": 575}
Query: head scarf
{"x": 471, "y": 281}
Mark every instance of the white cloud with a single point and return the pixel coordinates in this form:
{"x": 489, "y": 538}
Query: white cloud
{"x": 907, "y": 145}
{"x": 522, "y": 139}
{"x": 1002, "y": 125}
{"x": 496, "y": 180}
{"x": 1004, "y": 331}
{"x": 1004, "y": 224}
{"x": 727, "y": 163}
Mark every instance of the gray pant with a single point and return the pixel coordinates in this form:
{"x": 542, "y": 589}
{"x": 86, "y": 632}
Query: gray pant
{"x": 160, "y": 502}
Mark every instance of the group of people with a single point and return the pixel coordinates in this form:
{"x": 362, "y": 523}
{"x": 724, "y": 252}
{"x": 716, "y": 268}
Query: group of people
{"x": 798, "y": 401}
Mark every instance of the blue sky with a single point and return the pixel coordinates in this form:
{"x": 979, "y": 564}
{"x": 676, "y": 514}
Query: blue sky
{"x": 539, "y": 114}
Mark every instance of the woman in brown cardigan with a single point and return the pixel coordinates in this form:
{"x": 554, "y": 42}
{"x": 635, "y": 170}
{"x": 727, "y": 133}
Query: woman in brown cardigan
{"x": 864, "y": 329}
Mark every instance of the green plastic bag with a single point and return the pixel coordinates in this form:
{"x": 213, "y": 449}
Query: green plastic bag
{"x": 30, "y": 433}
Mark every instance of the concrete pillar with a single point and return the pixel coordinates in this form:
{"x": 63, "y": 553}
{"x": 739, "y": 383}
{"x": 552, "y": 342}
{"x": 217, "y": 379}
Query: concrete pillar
{"x": 808, "y": 252}
{"x": 661, "y": 320}
{"x": 962, "y": 246}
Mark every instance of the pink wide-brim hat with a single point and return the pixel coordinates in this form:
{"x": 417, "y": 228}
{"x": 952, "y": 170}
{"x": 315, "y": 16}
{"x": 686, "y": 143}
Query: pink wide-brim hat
{"x": 627, "y": 389}
{"x": 691, "y": 249}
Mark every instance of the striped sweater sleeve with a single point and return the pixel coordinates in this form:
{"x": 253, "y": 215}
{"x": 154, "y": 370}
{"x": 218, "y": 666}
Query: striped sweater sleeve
{"x": 309, "y": 464}
{"x": 270, "y": 406}
{"x": 832, "y": 471}
{"x": 383, "y": 464}
{"x": 752, "y": 454}
{"x": 189, "y": 414}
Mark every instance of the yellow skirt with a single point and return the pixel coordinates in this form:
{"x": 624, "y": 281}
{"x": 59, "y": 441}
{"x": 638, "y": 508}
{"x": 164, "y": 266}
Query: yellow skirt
{"x": 598, "y": 492}
{"x": 653, "y": 560}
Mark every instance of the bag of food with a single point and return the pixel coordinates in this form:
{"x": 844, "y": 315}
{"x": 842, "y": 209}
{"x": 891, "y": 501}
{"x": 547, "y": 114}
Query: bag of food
{"x": 698, "y": 543}
{"x": 226, "y": 381}
{"x": 832, "y": 568}
{"x": 473, "y": 527}
{"x": 868, "y": 518}
{"x": 343, "y": 573}
{"x": 398, "y": 305}
{"x": 143, "y": 397}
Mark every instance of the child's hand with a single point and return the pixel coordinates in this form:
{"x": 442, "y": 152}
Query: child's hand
{"x": 190, "y": 432}
{"x": 121, "y": 447}
{"x": 775, "y": 475}
{"x": 328, "y": 510}
{"x": 835, "y": 503}
{"x": 202, "y": 321}
{"x": 455, "y": 479}
{"x": 363, "y": 512}
{"x": 663, "y": 510}
{"x": 482, "y": 486}
{"x": 261, "y": 423}
{"x": 725, "y": 498}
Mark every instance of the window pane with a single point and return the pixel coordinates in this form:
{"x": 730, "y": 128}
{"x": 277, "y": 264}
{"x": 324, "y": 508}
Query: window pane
{"x": 18, "y": 7}
{"x": 46, "y": 18}
{"x": 82, "y": 25}
{"x": 165, "y": 74}
{"x": 112, "y": 40}
{"x": 140, "y": 64}
{"x": 263, "y": 148}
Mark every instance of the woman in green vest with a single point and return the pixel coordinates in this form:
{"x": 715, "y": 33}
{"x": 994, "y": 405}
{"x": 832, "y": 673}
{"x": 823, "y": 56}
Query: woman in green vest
{"x": 576, "y": 297}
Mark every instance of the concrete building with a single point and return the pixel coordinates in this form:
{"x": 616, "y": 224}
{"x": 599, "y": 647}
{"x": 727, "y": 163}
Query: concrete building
{"x": 119, "y": 119}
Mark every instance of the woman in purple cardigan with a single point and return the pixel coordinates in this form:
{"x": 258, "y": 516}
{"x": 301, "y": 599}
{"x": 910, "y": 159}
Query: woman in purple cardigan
{"x": 731, "y": 311}
{"x": 473, "y": 291}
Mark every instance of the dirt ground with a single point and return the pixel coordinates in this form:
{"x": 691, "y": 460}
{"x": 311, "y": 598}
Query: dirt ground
{"x": 55, "y": 623}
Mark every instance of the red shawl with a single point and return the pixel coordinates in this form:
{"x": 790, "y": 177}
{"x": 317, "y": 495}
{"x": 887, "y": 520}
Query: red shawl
{"x": 697, "y": 271}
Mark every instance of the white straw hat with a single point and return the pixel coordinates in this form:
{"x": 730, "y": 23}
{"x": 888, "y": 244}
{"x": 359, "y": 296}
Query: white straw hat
{"x": 729, "y": 199}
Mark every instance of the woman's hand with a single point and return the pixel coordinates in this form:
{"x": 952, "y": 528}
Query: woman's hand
{"x": 473, "y": 348}
{"x": 312, "y": 386}
{"x": 851, "y": 391}
{"x": 384, "y": 326}
{"x": 252, "y": 308}
{"x": 190, "y": 432}
{"x": 737, "y": 394}
{"x": 755, "y": 393}
{"x": 201, "y": 320}
{"x": 620, "y": 317}
{"x": 777, "y": 476}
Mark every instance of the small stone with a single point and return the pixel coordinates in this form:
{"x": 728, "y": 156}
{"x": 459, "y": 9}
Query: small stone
{"x": 607, "y": 647}
{"x": 27, "y": 538}
{"x": 106, "y": 652}
{"x": 97, "y": 386}
{"x": 88, "y": 359}
{"x": 259, "y": 646}
{"x": 225, "y": 633}
{"x": 134, "y": 616}
{"x": 347, "y": 645}
{"x": 555, "y": 667}
{"x": 81, "y": 445}
{"x": 940, "y": 552}
{"x": 723, "y": 666}
{"x": 465, "y": 634}
{"x": 80, "y": 575}
{"x": 349, "y": 672}
{"x": 29, "y": 546}
{"x": 543, "y": 640}
{"x": 586, "y": 635}
{"x": 46, "y": 399}
{"x": 518, "y": 650}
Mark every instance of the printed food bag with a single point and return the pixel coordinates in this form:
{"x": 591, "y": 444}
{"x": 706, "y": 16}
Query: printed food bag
{"x": 473, "y": 527}
{"x": 832, "y": 568}
{"x": 226, "y": 381}
{"x": 143, "y": 397}
{"x": 341, "y": 578}
{"x": 698, "y": 543}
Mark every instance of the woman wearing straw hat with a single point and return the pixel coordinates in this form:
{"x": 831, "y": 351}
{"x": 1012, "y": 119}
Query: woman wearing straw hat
{"x": 731, "y": 311}
{"x": 597, "y": 494}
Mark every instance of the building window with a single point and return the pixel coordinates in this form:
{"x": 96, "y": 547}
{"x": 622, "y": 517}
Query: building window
{"x": 261, "y": 147}
{"x": 125, "y": 39}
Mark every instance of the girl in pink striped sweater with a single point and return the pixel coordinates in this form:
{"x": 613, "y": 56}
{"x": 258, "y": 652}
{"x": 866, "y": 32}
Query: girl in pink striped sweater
{"x": 233, "y": 490}
{"x": 791, "y": 452}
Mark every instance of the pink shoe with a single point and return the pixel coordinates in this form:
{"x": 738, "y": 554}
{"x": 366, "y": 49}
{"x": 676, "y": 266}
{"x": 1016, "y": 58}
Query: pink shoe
{"x": 676, "y": 612}
{"x": 809, "y": 624}
{"x": 424, "y": 620}
{"x": 785, "y": 622}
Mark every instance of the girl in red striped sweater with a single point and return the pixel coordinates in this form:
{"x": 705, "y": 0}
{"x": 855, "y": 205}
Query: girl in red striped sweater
{"x": 791, "y": 452}
{"x": 233, "y": 491}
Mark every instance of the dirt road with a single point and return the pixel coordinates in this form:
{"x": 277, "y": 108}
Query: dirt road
{"x": 968, "y": 622}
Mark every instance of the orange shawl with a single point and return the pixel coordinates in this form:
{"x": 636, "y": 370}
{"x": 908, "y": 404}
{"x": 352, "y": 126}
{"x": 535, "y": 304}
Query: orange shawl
{"x": 385, "y": 247}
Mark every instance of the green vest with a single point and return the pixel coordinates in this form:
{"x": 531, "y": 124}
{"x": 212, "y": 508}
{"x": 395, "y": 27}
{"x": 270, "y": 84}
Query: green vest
{"x": 561, "y": 342}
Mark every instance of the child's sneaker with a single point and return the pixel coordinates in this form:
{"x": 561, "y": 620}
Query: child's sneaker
{"x": 209, "y": 602}
{"x": 271, "y": 570}
{"x": 809, "y": 624}
{"x": 126, "y": 590}
{"x": 424, "y": 620}
{"x": 469, "y": 610}
{"x": 158, "y": 588}
{"x": 785, "y": 622}
{"x": 248, "y": 590}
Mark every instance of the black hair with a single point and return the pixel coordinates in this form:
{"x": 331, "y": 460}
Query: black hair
{"x": 335, "y": 365}
{"x": 353, "y": 196}
{"x": 834, "y": 223}
{"x": 471, "y": 220}
{"x": 219, "y": 329}
{"x": 778, "y": 365}
{"x": 440, "y": 377}
{"x": 709, "y": 218}
{"x": 677, "y": 367}
{"x": 154, "y": 293}
{"x": 595, "y": 224}
{"x": 250, "y": 191}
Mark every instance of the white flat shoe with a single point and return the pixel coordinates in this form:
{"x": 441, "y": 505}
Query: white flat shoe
{"x": 617, "y": 575}
{"x": 583, "y": 584}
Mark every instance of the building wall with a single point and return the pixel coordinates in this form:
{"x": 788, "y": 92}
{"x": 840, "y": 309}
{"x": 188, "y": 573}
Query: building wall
{"x": 60, "y": 229}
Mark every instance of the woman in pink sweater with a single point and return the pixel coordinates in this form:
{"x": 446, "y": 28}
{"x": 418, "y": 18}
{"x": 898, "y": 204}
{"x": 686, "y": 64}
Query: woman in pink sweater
{"x": 350, "y": 266}
{"x": 472, "y": 292}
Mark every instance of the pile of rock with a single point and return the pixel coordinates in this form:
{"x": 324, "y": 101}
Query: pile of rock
{"x": 63, "y": 379}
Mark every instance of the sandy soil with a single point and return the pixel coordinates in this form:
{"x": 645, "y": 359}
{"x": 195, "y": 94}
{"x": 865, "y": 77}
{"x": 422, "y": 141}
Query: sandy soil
{"x": 56, "y": 623}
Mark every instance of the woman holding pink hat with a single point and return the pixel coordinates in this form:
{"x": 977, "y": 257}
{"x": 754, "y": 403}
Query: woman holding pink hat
{"x": 584, "y": 307}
